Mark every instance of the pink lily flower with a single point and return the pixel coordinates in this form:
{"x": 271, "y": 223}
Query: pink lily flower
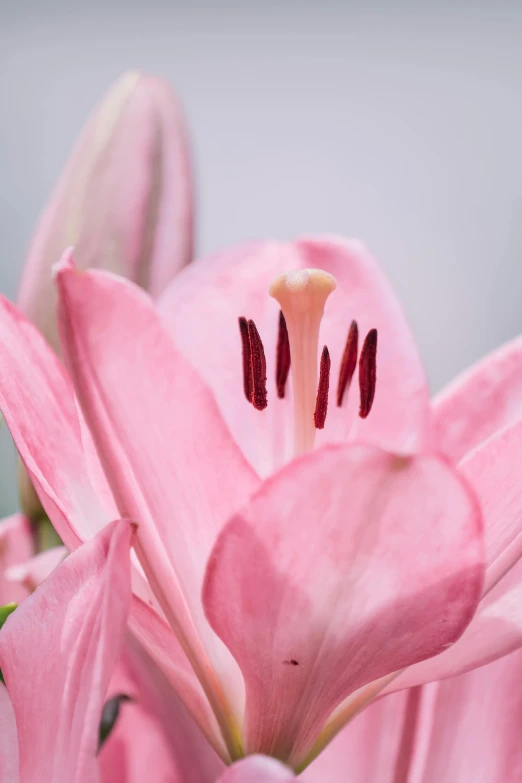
{"x": 279, "y": 608}
{"x": 124, "y": 199}
{"x": 74, "y": 623}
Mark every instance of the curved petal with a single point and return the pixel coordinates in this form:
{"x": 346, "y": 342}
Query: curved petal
{"x": 154, "y": 738}
{"x": 169, "y": 457}
{"x": 8, "y": 739}
{"x": 74, "y": 622}
{"x": 257, "y": 769}
{"x": 482, "y": 400}
{"x": 38, "y": 404}
{"x": 163, "y": 648}
{"x": 475, "y": 734}
{"x": 201, "y": 308}
{"x": 16, "y": 546}
{"x": 494, "y": 471}
{"x": 366, "y": 750}
{"x": 124, "y": 199}
{"x": 349, "y": 564}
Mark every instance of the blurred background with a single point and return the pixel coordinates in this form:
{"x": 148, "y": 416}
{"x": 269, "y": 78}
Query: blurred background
{"x": 397, "y": 122}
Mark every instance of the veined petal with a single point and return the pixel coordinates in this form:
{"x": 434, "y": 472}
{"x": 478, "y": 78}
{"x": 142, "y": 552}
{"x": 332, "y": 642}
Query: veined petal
{"x": 8, "y": 739}
{"x": 154, "y": 737}
{"x": 475, "y": 720}
{"x": 164, "y": 650}
{"x": 482, "y": 400}
{"x": 349, "y": 564}
{"x": 367, "y": 748}
{"x": 201, "y": 308}
{"x": 74, "y": 623}
{"x": 170, "y": 460}
{"x": 494, "y": 471}
{"x": 16, "y": 546}
{"x": 38, "y": 404}
{"x": 124, "y": 199}
{"x": 257, "y": 769}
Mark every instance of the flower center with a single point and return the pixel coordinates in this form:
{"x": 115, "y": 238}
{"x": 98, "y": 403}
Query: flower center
{"x": 302, "y": 296}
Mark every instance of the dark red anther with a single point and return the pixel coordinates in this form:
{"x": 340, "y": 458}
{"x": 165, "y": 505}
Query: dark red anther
{"x": 247, "y": 358}
{"x": 368, "y": 373}
{"x": 258, "y": 368}
{"x": 283, "y": 356}
{"x": 348, "y": 363}
{"x": 321, "y": 404}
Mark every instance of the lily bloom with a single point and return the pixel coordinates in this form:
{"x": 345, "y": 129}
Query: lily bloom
{"x": 279, "y": 585}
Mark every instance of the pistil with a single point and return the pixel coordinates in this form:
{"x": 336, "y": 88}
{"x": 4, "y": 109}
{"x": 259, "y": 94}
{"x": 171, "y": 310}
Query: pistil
{"x": 302, "y": 296}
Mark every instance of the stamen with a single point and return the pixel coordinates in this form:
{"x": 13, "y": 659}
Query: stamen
{"x": 302, "y": 296}
{"x": 348, "y": 363}
{"x": 247, "y": 358}
{"x": 283, "y": 357}
{"x": 258, "y": 368}
{"x": 321, "y": 404}
{"x": 368, "y": 373}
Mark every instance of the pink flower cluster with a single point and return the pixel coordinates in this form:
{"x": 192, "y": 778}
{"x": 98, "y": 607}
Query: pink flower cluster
{"x": 283, "y": 556}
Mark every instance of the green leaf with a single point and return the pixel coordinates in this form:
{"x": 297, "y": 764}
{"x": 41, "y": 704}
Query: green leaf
{"x": 110, "y": 714}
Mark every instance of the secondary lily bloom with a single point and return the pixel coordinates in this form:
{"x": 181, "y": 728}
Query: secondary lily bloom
{"x": 124, "y": 199}
{"x": 76, "y": 620}
{"x": 276, "y": 608}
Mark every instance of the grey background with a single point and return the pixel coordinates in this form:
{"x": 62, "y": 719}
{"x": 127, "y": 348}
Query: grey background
{"x": 399, "y": 123}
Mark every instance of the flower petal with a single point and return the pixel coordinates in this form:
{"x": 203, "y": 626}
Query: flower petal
{"x": 74, "y": 624}
{"x": 169, "y": 458}
{"x": 475, "y": 726}
{"x": 124, "y": 199}
{"x": 38, "y": 404}
{"x": 16, "y": 546}
{"x": 257, "y": 769}
{"x": 154, "y": 738}
{"x": 494, "y": 471}
{"x": 201, "y": 308}
{"x": 484, "y": 399}
{"x": 366, "y": 749}
{"x": 349, "y": 564}
{"x": 8, "y": 739}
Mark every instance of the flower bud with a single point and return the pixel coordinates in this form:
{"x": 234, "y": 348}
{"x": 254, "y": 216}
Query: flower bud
{"x": 124, "y": 200}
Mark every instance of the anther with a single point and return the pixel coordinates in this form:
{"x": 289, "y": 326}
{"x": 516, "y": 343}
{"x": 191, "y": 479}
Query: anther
{"x": 258, "y": 368}
{"x": 368, "y": 373}
{"x": 247, "y": 358}
{"x": 283, "y": 356}
{"x": 348, "y": 362}
{"x": 321, "y": 404}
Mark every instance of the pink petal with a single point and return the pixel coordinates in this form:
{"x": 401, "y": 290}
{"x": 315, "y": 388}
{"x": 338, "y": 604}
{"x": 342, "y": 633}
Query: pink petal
{"x": 154, "y": 738}
{"x": 16, "y": 545}
{"x": 170, "y": 460}
{"x": 475, "y": 734}
{"x": 257, "y": 769}
{"x": 494, "y": 471}
{"x": 367, "y": 748}
{"x": 38, "y": 404}
{"x": 74, "y": 625}
{"x": 8, "y": 739}
{"x": 160, "y": 643}
{"x": 31, "y": 573}
{"x": 348, "y": 565}
{"x": 201, "y": 308}
{"x": 481, "y": 401}
{"x": 124, "y": 199}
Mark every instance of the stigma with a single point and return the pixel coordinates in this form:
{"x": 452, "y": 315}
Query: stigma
{"x": 302, "y": 296}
